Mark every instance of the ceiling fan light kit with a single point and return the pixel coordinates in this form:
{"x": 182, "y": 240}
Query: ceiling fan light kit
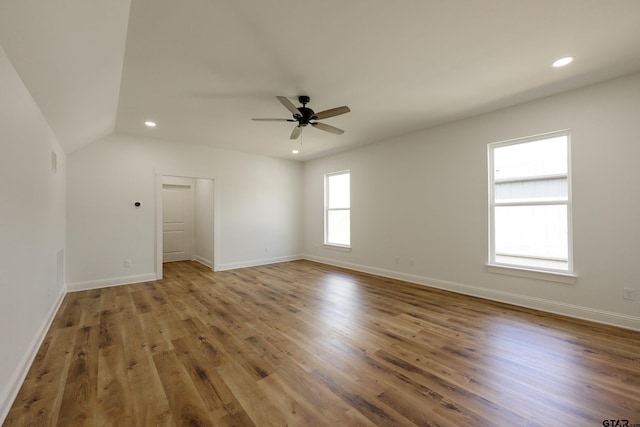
{"x": 306, "y": 116}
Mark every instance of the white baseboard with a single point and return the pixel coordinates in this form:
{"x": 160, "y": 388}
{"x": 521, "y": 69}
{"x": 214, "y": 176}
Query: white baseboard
{"x": 550, "y": 306}
{"x": 257, "y": 262}
{"x": 113, "y": 281}
{"x": 203, "y": 261}
{"x": 10, "y": 392}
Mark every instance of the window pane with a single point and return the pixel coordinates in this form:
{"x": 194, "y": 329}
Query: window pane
{"x": 339, "y": 227}
{"x": 535, "y": 232}
{"x": 339, "y": 191}
{"x": 539, "y": 189}
{"x": 535, "y": 158}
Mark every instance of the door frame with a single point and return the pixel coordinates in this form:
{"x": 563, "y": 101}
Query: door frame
{"x": 158, "y": 243}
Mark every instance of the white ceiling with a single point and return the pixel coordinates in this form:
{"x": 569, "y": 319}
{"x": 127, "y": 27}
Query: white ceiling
{"x": 203, "y": 68}
{"x": 69, "y": 54}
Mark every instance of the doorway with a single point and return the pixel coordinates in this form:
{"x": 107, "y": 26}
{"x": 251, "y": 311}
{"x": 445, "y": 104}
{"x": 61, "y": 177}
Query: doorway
{"x": 185, "y": 220}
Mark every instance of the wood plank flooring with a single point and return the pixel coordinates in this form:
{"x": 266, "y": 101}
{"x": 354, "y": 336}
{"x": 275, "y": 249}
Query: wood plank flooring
{"x": 305, "y": 344}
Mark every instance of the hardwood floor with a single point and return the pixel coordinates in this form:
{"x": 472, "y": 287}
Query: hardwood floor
{"x": 301, "y": 343}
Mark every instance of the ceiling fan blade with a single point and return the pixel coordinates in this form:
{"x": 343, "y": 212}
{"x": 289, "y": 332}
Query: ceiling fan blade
{"x": 327, "y": 128}
{"x": 296, "y": 132}
{"x": 273, "y": 120}
{"x": 289, "y": 106}
{"x": 330, "y": 113}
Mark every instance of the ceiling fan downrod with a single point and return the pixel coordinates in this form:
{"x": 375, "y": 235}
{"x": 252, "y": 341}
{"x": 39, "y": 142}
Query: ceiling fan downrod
{"x": 307, "y": 113}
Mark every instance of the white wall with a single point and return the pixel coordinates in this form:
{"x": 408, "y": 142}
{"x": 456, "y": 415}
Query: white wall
{"x": 204, "y": 221}
{"x": 258, "y": 205}
{"x": 424, "y": 196}
{"x": 32, "y": 199}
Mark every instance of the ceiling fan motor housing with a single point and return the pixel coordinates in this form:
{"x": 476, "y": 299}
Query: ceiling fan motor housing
{"x": 307, "y": 115}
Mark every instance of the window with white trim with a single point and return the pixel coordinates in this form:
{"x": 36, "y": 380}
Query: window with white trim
{"x": 337, "y": 207}
{"x": 530, "y": 203}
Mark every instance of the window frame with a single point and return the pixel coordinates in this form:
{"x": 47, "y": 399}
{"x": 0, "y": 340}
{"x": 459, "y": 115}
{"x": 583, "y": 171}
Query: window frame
{"x": 327, "y": 176}
{"x": 553, "y": 274}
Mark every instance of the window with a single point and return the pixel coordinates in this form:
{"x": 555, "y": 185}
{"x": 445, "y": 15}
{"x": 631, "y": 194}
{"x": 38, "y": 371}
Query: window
{"x": 337, "y": 206}
{"x": 530, "y": 203}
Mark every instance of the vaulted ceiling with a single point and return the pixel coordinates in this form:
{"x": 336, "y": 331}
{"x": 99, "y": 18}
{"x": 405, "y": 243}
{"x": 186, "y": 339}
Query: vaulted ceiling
{"x": 202, "y": 69}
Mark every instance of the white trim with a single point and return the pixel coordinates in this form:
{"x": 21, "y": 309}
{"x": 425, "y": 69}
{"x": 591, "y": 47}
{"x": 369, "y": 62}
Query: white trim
{"x": 546, "y": 135}
{"x": 570, "y": 205}
{"x": 203, "y": 261}
{"x": 546, "y": 275}
{"x": 158, "y": 216}
{"x": 10, "y": 392}
{"x": 216, "y": 225}
{"x": 112, "y": 281}
{"x": 258, "y": 262}
{"x": 336, "y": 247}
{"x": 549, "y": 306}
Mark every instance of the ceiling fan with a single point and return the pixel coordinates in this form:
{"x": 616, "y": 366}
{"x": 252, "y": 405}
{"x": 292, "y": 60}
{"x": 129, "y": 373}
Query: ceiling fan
{"x": 306, "y": 116}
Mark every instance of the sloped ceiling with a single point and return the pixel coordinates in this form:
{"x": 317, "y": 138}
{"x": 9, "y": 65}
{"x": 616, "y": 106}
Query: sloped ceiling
{"x": 69, "y": 54}
{"x": 203, "y": 68}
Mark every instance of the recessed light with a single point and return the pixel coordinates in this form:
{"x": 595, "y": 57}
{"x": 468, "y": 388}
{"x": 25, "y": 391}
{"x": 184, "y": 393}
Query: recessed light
{"x": 563, "y": 61}
{"x": 150, "y": 124}
{"x": 295, "y": 151}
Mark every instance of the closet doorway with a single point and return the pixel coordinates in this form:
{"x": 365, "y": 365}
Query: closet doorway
{"x": 187, "y": 220}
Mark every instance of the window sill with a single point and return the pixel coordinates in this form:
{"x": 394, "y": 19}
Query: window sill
{"x": 340, "y": 248}
{"x": 549, "y": 276}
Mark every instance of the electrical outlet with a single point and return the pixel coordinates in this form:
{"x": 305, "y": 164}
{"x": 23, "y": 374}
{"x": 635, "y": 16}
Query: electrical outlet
{"x": 629, "y": 294}
{"x": 412, "y": 261}
{"x": 397, "y": 260}
{"x": 127, "y": 263}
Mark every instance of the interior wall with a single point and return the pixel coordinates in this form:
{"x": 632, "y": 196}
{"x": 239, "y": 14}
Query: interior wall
{"x": 32, "y": 224}
{"x": 204, "y": 221}
{"x": 258, "y": 206}
{"x": 424, "y": 196}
